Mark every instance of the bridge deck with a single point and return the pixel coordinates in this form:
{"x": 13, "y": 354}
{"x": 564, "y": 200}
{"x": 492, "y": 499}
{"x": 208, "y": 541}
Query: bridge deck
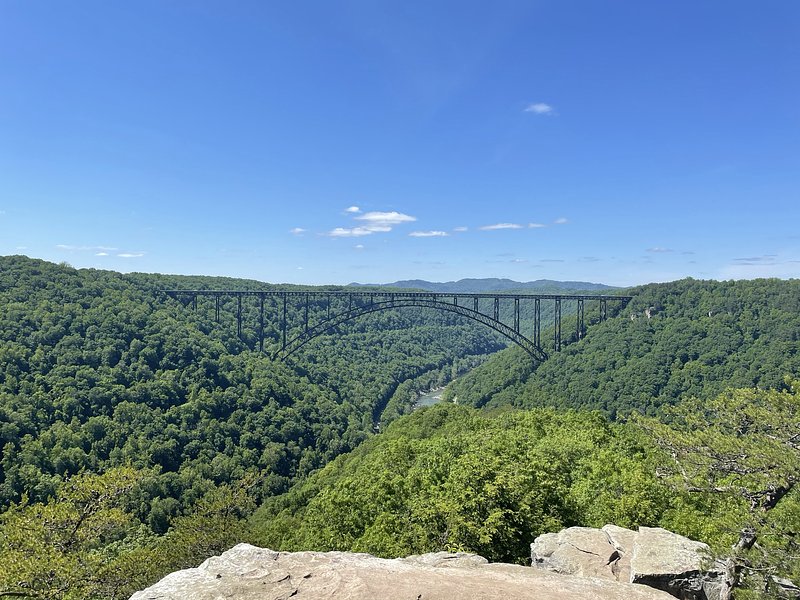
{"x": 364, "y": 294}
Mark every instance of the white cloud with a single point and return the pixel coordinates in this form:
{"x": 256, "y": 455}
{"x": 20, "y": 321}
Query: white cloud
{"x": 130, "y": 254}
{"x": 460, "y": 229}
{"x": 351, "y": 232}
{"x": 764, "y": 259}
{"x": 352, "y": 209}
{"x": 72, "y": 248}
{"x": 561, "y": 221}
{"x": 22, "y": 247}
{"x": 102, "y": 254}
{"x": 359, "y": 246}
{"x": 765, "y": 265}
{"x": 501, "y": 226}
{"x": 540, "y": 108}
{"x": 659, "y": 250}
{"x": 536, "y": 225}
{"x": 386, "y": 218}
{"x": 297, "y": 230}
{"x": 371, "y": 222}
{"x": 428, "y": 234}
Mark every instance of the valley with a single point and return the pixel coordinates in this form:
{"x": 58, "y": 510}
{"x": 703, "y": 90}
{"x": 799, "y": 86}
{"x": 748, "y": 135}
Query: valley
{"x": 140, "y": 436}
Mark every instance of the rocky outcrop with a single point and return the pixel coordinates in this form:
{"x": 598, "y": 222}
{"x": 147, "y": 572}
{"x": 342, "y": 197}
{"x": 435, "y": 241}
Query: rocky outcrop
{"x": 581, "y": 551}
{"x": 670, "y": 562}
{"x": 652, "y": 556}
{"x": 249, "y": 573}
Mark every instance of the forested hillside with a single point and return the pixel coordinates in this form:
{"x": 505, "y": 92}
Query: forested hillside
{"x": 724, "y": 471}
{"x": 453, "y": 477}
{"x": 97, "y": 369}
{"x": 699, "y": 338}
{"x": 138, "y": 435}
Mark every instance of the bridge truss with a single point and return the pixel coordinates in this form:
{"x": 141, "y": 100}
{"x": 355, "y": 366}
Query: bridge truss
{"x": 323, "y": 311}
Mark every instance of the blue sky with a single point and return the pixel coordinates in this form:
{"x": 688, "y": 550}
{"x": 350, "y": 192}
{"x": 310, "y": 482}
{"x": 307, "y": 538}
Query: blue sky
{"x": 327, "y": 142}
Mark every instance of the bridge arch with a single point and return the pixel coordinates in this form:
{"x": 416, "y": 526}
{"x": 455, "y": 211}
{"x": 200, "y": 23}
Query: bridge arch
{"x": 302, "y": 339}
{"x": 362, "y": 302}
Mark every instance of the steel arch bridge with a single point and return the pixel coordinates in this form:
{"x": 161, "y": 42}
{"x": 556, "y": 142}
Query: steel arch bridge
{"x": 339, "y": 307}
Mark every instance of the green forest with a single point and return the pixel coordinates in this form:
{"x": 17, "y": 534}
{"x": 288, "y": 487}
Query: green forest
{"x": 700, "y": 338}
{"x": 139, "y": 436}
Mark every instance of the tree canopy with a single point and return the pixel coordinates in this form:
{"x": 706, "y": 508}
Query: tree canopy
{"x": 98, "y": 370}
{"x": 700, "y": 338}
{"x": 137, "y": 435}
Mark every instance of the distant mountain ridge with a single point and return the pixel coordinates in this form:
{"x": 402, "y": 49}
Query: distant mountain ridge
{"x": 491, "y": 284}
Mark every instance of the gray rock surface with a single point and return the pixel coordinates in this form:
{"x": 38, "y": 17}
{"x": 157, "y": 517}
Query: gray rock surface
{"x": 623, "y": 540}
{"x": 249, "y": 573}
{"x": 577, "y": 551}
{"x": 652, "y": 556}
{"x": 670, "y": 562}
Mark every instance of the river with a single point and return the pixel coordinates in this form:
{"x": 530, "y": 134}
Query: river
{"x": 430, "y": 398}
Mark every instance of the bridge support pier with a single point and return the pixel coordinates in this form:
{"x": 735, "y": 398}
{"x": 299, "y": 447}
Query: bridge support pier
{"x": 305, "y": 316}
{"x": 261, "y": 324}
{"x": 283, "y": 321}
{"x": 557, "y": 325}
{"x": 239, "y": 317}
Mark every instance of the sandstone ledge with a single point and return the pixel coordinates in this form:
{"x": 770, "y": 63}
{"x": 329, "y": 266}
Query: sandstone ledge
{"x": 249, "y": 573}
{"x": 652, "y": 556}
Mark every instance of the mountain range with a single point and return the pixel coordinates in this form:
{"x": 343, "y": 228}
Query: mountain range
{"x": 490, "y": 284}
